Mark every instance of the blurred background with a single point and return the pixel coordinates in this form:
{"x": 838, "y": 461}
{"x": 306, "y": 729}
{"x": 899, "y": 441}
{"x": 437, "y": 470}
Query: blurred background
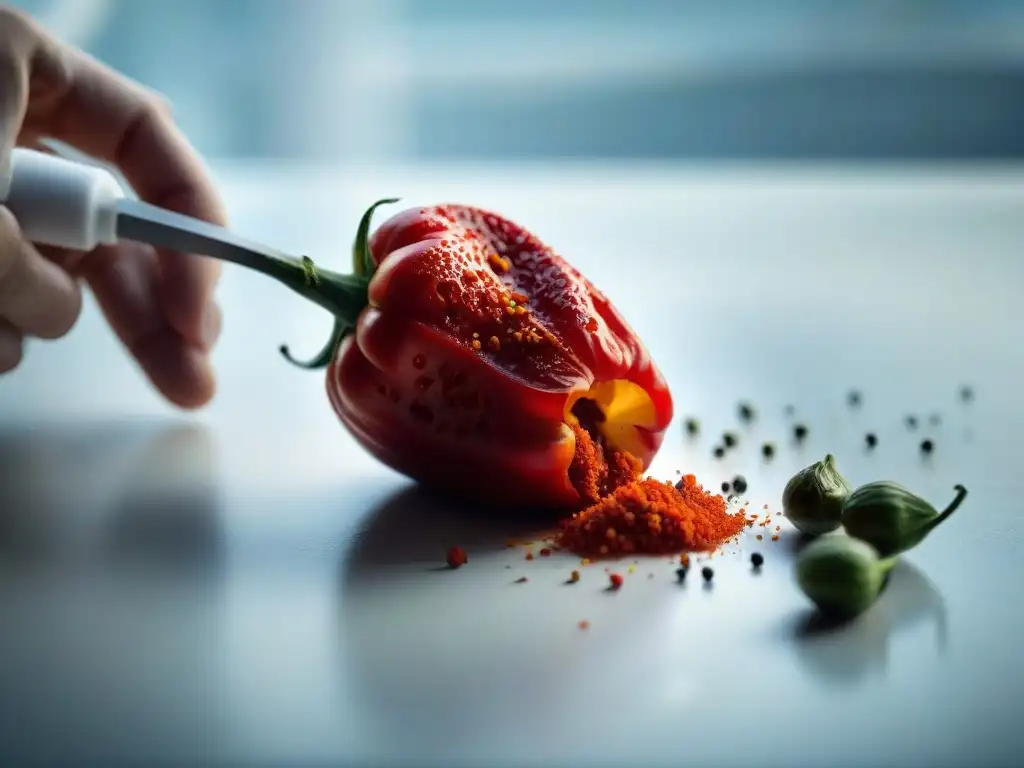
{"x": 421, "y": 80}
{"x": 246, "y": 585}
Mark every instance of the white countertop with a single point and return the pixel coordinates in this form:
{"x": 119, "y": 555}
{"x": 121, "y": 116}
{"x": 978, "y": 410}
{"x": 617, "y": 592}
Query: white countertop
{"x": 228, "y": 586}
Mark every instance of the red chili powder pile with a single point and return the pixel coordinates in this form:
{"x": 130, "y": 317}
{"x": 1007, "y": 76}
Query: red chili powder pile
{"x": 627, "y": 514}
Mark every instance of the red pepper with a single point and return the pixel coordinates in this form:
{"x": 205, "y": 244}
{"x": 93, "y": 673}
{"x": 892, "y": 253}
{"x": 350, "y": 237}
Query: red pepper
{"x": 462, "y": 346}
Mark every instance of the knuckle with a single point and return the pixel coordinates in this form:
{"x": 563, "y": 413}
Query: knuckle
{"x": 147, "y": 118}
{"x": 65, "y": 316}
{"x": 12, "y": 349}
{"x": 11, "y": 70}
{"x": 153, "y": 111}
{"x": 159, "y": 105}
{"x": 12, "y": 279}
{"x": 14, "y": 22}
{"x": 12, "y": 256}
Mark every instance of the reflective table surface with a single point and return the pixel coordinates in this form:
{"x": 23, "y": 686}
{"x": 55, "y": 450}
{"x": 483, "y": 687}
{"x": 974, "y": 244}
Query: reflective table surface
{"x": 243, "y": 585}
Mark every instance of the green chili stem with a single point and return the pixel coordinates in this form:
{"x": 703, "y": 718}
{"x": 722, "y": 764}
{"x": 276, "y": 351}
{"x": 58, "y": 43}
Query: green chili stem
{"x": 888, "y": 564}
{"x": 344, "y": 296}
{"x": 362, "y": 259}
{"x": 324, "y": 356}
{"x": 961, "y": 494}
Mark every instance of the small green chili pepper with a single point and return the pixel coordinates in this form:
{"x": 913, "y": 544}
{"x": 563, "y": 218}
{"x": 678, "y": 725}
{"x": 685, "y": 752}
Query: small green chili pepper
{"x": 813, "y": 499}
{"x": 841, "y": 576}
{"x": 891, "y": 518}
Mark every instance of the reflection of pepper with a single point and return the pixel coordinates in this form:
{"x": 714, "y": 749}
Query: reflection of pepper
{"x": 470, "y": 356}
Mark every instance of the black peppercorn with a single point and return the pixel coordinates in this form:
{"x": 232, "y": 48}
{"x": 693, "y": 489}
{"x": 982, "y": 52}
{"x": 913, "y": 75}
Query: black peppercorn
{"x": 681, "y": 575}
{"x": 756, "y": 560}
{"x": 854, "y": 399}
{"x": 739, "y": 484}
{"x": 719, "y": 451}
{"x": 800, "y": 431}
{"x": 910, "y": 421}
{"x": 729, "y": 439}
{"x": 767, "y": 450}
{"x": 927, "y": 446}
{"x": 725, "y": 487}
{"x": 871, "y": 439}
{"x": 692, "y": 426}
{"x": 966, "y": 394}
{"x": 707, "y": 573}
{"x": 746, "y": 412}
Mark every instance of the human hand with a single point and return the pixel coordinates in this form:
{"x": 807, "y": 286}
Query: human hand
{"x": 159, "y": 303}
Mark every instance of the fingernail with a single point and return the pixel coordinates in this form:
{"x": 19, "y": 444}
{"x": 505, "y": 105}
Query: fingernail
{"x": 211, "y": 326}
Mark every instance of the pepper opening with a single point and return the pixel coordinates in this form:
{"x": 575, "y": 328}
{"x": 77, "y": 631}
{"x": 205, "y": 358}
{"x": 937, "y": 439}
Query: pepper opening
{"x": 598, "y": 467}
{"x": 626, "y": 411}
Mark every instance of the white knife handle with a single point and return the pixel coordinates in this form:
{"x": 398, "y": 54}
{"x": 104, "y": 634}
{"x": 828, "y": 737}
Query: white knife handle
{"x": 60, "y": 202}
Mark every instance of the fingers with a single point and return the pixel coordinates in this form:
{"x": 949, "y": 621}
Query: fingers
{"x": 36, "y": 296}
{"x": 113, "y": 119}
{"x": 159, "y": 303}
{"x": 125, "y": 280}
{"x": 11, "y": 346}
{"x": 14, "y": 77}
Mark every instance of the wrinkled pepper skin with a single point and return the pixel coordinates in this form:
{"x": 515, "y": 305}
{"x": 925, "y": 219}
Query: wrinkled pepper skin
{"x": 478, "y": 340}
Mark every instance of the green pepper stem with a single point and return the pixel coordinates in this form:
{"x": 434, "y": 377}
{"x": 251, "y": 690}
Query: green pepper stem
{"x": 325, "y": 355}
{"x": 886, "y": 565}
{"x": 344, "y": 296}
{"x": 961, "y": 494}
{"x": 362, "y": 259}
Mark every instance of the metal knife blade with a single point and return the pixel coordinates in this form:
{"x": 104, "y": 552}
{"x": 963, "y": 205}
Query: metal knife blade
{"x": 145, "y": 223}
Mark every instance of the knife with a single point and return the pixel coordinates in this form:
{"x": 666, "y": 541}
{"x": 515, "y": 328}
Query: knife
{"x": 64, "y": 203}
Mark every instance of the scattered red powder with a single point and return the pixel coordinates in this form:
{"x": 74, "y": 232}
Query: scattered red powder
{"x": 652, "y": 517}
{"x": 457, "y": 557}
{"x": 584, "y": 625}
